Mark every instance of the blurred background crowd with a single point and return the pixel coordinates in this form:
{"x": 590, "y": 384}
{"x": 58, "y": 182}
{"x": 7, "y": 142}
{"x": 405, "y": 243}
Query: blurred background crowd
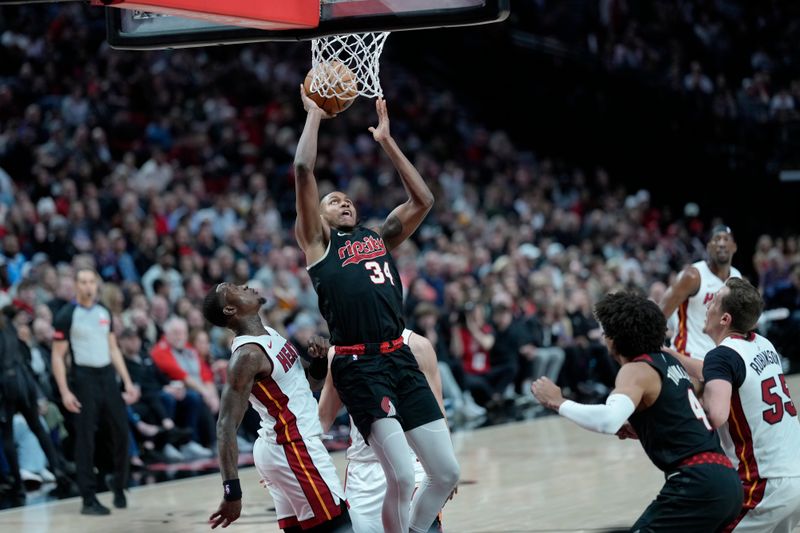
{"x": 169, "y": 172}
{"x": 736, "y": 57}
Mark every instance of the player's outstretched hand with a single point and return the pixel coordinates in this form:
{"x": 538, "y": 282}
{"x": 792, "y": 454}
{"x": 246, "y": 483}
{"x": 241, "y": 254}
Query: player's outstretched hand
{"x": 318, "y": 346}
{"x": 310, "y": 105}
{"x": 227, "y": 513}
{"x": 381, "y": 132}
{"x": 547, "y": 393}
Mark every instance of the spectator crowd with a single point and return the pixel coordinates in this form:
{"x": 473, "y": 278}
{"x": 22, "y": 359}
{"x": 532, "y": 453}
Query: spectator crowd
{"x": 734, "y": 57}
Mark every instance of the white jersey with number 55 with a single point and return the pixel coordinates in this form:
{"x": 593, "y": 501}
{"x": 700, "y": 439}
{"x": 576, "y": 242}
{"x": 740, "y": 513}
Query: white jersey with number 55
{"x": 762, "y": 435}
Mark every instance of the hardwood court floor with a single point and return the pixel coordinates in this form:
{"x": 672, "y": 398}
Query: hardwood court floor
{"x": 544, "y": 475}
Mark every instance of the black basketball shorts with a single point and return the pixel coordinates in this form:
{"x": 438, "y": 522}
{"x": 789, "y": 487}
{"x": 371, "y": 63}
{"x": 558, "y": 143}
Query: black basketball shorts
{"x": 697, "y": 499}
{"x": 375, "y": 386}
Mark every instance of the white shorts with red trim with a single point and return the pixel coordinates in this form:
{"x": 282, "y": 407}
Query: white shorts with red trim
{"x": 778, "y": 511}
{"x": 365, "y": 487}
{"x": 302, "y": 481}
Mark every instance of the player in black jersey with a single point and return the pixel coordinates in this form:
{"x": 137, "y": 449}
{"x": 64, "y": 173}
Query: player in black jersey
{"x": 655, "y": 394}
{"x": 361, "y": 296}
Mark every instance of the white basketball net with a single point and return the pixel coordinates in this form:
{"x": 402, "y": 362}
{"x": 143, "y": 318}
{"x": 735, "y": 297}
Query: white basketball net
{"x": 360, "y": 53}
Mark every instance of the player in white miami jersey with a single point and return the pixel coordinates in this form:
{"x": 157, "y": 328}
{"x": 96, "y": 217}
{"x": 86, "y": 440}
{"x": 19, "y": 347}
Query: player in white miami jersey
{"x": 693, "y": 290}
{"x": 365, "y": 482}
{"x": 289, "y": 454}
{"x": 746, "y": 397}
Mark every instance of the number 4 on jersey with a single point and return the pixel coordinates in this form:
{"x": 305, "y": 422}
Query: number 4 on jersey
{"x": 698, "y": 410}
{"x": 379, "y": 275}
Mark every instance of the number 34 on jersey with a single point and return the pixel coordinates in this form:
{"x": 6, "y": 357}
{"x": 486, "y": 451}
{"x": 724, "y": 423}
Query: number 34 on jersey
{"x": 380, "y": 272}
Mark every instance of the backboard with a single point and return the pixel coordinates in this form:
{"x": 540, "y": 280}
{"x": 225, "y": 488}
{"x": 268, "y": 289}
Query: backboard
{"x": 138, "y": 30}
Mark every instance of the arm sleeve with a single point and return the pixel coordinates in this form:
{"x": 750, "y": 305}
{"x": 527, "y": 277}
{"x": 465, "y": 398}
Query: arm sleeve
{"x": 606, "y": 418}
{"x": 724, "y": 363}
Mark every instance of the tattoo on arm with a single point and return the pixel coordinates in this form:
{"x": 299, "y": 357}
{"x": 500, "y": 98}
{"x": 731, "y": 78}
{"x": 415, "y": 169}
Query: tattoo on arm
{"x": 241, "y": 375}
{"x": 392, "y": 227}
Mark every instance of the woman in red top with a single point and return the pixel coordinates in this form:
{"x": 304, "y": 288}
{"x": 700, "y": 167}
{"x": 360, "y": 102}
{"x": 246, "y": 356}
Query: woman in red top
{"x": 471, "y": 340}
{"x": 180, "y": 362}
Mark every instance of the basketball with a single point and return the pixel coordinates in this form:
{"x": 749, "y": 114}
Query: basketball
{"x": 337, "y": 87}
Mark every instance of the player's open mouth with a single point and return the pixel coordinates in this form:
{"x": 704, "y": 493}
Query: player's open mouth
{"x": 347, "y": 213}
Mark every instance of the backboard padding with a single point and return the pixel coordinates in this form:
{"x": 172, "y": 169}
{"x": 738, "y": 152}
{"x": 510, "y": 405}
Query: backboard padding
{"x": 133, "y": 31}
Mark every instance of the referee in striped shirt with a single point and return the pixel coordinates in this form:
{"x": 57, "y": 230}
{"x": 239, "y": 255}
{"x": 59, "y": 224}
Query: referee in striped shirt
{"x": 90, "y": 389}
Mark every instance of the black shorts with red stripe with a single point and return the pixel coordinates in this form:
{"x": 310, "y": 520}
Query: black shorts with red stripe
{"x": 700, "y": 497}
{"x": 381, "y": 385}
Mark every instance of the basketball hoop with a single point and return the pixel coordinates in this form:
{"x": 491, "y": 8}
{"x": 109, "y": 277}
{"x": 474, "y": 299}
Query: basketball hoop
{"x": 359, "y": 52}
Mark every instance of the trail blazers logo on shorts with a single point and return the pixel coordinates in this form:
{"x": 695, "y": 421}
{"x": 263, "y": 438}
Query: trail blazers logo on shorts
{"x": 388, "y": 406}
{"x": 368, "y": 248}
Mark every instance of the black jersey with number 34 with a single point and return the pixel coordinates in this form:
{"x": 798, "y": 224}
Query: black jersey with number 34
{"x": 359, "y": 289}
{"x": 675, "y": 426}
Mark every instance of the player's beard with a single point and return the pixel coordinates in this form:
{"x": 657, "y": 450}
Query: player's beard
{"x": 724, "y": 260}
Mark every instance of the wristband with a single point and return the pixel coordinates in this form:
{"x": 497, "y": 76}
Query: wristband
{"x": 232, "y": 490}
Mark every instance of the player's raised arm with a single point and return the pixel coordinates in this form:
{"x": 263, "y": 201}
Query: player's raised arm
{"x": 312, "y": 234}
{"x": 406, "y": 217}
{"x": 246, "y": 363}
{"x": 687, "y": 284}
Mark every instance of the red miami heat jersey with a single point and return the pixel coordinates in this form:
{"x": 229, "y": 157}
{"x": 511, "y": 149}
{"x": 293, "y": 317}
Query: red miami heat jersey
{"x": 283, "y": 400}
{"x": 359, "y": 288}
{"x": 762, "y": 435}
{"x": 689, "y": 338}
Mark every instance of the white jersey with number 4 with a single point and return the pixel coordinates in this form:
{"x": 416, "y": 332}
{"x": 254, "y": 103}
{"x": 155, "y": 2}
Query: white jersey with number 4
{"x": 762, "y": 435}
{"x": 689, "y": 338}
